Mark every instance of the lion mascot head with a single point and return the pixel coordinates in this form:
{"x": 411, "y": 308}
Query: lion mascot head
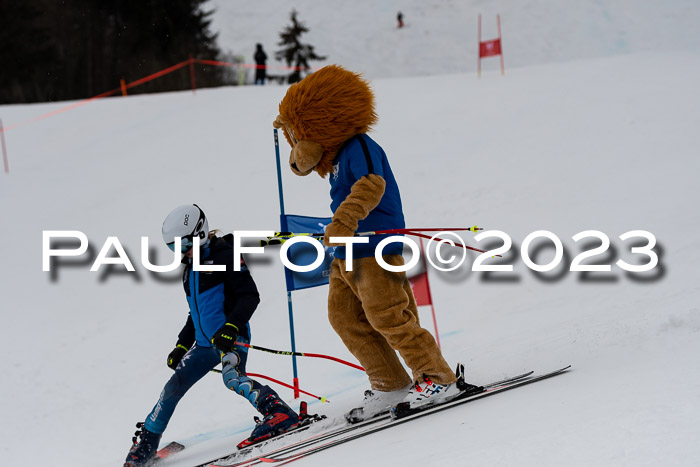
{"x": 320, "y": 113}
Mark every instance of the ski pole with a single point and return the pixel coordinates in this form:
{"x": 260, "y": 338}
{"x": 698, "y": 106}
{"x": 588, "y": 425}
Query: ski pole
{"x": 255, "y": 375}
{"x": 376, "y": 232}
{"x": 279, "y": 239}
{"x": 300, "y": 354}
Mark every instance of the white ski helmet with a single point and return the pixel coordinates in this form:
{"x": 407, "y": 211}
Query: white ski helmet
{"x": 186, "y": 222}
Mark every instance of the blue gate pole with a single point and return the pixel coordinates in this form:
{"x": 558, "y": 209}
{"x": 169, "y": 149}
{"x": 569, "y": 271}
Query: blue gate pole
{"x": 287, "y": 273}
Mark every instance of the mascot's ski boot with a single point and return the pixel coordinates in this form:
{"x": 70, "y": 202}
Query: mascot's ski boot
{"x": 279, "y": 418}
{"x": 427, "y": 394}
{"x": 430, "y": 393}
{"x": 376, "y": 403}
{"x": 144, "y": 449}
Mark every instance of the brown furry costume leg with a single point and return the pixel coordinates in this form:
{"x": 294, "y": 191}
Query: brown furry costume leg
{"x": 375, "y": 314}
{"x": 347, "y": 317}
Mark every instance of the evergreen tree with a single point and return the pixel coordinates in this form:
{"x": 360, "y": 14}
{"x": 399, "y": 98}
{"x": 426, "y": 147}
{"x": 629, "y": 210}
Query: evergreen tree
{"x": 293, "y": 52}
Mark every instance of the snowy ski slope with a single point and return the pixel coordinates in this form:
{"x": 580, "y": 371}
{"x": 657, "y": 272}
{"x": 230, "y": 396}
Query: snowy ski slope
{"x": 440, "y": 35}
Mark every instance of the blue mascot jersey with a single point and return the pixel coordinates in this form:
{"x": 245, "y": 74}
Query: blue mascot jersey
{"x": 361, "y": 156}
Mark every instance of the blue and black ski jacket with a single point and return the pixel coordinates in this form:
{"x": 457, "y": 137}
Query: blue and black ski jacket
{"x": 218, "y": 297}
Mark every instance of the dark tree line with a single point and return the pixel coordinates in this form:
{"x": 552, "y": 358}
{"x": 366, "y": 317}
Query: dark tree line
{"x": 70, "y": 49}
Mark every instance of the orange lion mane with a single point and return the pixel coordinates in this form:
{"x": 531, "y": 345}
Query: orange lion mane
{"x": 328, "y": 107}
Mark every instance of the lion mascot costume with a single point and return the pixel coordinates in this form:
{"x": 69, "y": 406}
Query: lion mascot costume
{"x": 325, "y": 118}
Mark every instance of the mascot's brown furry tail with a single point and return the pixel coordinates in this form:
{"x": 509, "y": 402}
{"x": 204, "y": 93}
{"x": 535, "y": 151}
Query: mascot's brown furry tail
{"x": 327, "y": 107}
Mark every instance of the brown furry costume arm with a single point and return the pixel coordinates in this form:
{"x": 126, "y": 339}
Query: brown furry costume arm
{"x": 364, "y": 196}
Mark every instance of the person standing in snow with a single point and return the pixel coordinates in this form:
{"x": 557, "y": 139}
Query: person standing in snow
{"x": 260, "y": 62}
{"x": 221, "y": 303}
{"x": 325, "y": 118}
{"x": 399, "y": 18}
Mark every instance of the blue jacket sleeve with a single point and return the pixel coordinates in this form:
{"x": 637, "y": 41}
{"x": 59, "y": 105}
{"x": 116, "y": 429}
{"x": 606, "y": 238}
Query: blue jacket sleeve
{"x": 187, "y": 337}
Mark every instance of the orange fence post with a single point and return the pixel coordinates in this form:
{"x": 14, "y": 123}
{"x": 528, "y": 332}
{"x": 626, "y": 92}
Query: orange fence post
{"x": 123, "y": 83}
{"x": 194, "y": 84}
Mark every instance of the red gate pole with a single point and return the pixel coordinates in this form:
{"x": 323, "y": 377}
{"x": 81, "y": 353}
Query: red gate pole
{"x": 479, "y": 51}
{"x": 500, "y": 42}
{"x": 4, "y": 148}
{"x": 194, "y": 84}
{"x": 430, "y": 295}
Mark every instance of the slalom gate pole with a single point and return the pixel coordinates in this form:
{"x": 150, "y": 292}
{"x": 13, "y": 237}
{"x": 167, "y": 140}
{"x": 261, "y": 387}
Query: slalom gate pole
{"x": 300, "y": 354}
{"x": 296, "y": 389}
{"x": 430, "y": 295}
{"x": 287, "y": 273}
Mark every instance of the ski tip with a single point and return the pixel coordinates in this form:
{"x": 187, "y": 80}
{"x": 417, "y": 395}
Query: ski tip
{"x": 247, "y": 442}
{"x": 171, "y": 448}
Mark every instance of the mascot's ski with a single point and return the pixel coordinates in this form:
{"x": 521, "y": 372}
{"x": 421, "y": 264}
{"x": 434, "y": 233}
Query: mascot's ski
{"x": 346, "y": 433}
{"x": 405, "y": 417}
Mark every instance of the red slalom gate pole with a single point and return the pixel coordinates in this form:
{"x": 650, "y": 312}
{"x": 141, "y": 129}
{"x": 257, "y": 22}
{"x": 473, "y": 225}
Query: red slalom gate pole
{"x": 300, "y": 354}
{"x": 430, "y": 296}
{"x": 296, "y": 388}
{"x": 492, "y": 47}
{"x": 4, "y": 148}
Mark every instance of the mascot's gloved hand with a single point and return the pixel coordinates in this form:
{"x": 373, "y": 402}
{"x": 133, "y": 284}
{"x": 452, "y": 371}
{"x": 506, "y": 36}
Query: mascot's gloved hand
{"x": 336, "y": 229}
{"x": 279, "y": 122}
{"x": 364, "y": 196}
{"x": 225, "y": 338}
{"x": 176, "y": 355}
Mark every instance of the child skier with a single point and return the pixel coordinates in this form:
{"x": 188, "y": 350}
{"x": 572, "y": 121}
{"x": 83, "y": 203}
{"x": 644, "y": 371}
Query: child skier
{"x": 221, "y": 304}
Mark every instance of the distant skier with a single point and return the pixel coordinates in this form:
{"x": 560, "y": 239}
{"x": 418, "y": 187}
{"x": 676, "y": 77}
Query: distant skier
{"x": 221, "y": 304}
{"x": 260, "y": 62}
{"x": 399, "y": 18}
